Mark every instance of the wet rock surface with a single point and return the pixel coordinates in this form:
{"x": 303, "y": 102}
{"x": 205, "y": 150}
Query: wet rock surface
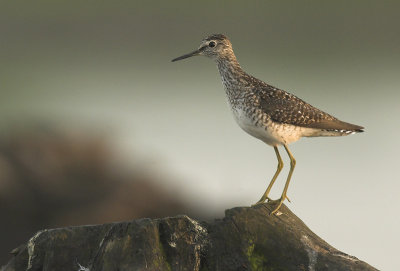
{"x": 247, "y": 238}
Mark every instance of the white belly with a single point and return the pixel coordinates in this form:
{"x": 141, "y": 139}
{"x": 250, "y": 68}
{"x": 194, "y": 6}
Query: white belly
{"x": 271, "y": 133}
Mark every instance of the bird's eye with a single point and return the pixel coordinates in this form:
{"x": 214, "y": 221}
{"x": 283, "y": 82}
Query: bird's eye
{"x": 212, "y": 44}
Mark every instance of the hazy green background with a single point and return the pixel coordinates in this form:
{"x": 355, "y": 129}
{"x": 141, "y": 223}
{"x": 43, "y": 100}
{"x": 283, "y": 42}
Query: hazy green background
{"x": 105, "y": 66}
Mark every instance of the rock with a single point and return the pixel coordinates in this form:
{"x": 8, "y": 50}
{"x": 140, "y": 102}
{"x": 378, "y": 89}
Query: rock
{"x": 53, "y": 177}
{"x": 251, "y": 239}
{"x": 247, "y": 238}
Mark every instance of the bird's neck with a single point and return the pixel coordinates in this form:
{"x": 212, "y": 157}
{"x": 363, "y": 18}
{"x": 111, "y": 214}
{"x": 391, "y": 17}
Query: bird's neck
{"x": 231, "y": 73}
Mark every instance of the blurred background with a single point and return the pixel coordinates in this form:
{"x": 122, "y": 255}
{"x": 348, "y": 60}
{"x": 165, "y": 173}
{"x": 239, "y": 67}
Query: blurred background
{"x": 97, "y": 125}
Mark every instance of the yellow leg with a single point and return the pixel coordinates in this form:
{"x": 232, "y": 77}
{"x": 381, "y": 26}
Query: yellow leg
{"x": 278, "y": 170}
{"x": 283, "y": 197}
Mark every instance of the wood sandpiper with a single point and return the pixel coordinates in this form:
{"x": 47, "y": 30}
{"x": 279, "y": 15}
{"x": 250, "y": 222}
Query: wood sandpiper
{"x": 272, "y": 115}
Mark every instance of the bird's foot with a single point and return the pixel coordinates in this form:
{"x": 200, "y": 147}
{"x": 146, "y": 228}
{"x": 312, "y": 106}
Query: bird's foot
{"x": 277, "y": 200}
{"x": 261, "y": 201}
{"x": 269, "y": 201}
{"x": 277, "y": 204}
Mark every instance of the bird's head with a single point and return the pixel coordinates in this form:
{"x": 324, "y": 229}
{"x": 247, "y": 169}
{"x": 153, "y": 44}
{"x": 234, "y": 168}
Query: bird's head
{"x": 215, "y": 46}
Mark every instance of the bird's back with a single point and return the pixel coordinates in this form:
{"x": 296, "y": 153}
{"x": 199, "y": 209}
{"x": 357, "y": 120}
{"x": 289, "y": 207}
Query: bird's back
{"x": 286, "y": 108}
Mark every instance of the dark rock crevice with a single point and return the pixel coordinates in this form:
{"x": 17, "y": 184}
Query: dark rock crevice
{"x": 247, "y": 238}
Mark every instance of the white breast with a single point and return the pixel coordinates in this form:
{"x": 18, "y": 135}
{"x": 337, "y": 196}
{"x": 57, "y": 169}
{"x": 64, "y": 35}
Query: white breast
{"x": 271, "y": 133}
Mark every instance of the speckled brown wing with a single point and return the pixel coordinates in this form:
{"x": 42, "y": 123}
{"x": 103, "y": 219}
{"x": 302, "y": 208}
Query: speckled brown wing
{"x": 284, "y": 107}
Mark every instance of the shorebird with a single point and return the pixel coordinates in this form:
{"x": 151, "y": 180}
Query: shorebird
{"x": 270, "y": 114}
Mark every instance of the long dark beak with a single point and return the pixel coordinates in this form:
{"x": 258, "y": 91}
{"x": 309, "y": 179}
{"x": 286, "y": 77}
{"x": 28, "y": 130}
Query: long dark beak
{"x": 194, "y": 53}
